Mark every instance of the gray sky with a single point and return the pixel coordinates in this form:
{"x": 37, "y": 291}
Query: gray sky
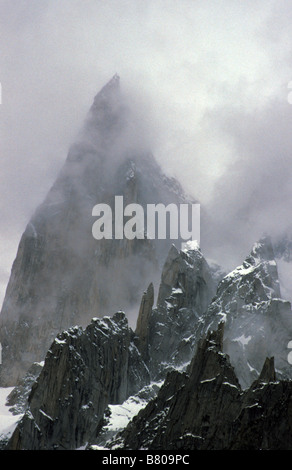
{"x": 213, "y": 79}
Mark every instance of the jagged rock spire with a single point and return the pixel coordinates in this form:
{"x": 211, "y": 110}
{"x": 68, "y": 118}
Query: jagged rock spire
{"x": 62, "y": 275}
{"x": 112, "y": 88}
{"x": 143, "y": 321}
{"x": 258, "y": 322}
{"x": 84, "y": 371}
{"x": 167, "y": 334}
{"x": 268, "y": 373}
{"x": 261, "y": 251}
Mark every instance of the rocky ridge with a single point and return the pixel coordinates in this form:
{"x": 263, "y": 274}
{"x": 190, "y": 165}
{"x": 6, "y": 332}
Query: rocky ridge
{"x": 168, "y": 333}
{"x": 84, "y": 371}
{"x": 257, "y": 320}
{"x": 206, "y": 409}
{"x": 172, "y": 378}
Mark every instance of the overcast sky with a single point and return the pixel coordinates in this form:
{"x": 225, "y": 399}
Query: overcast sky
{"x": 213, "y": 76}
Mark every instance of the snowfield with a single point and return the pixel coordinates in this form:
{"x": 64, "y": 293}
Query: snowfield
{"x": 8, "y": 421}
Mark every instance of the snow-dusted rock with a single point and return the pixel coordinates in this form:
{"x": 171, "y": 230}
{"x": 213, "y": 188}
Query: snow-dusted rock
{"x": 258, "y": 322}
{"x": 206, "y": 409}
{"x": 168, "y": 333}
{"x": 84, "y": 372}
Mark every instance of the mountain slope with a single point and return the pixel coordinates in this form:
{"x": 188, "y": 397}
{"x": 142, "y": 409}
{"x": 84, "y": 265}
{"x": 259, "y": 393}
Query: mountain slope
{"x": 172, "y": 384}
{"x": 84, "y": 371}
{"x": 167, "y": 334}
{"x": 206, "y": 409}
{"x": 62, "y": 275}
{"x": 258, "y": 322}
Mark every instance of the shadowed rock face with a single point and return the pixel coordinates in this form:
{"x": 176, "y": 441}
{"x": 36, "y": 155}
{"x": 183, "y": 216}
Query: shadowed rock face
{"x": 201, "y": 404}
{"x": 84, "y": 371}
{"x": 62, "y": 276}
{"x": 168, "y": 334}
{"x": 105, "y": 363}
{"x": 18, "y": 398}
{"x": 192, "y": 410}
{"x": 258, "y": 322}
{"x": 206, "y": 409}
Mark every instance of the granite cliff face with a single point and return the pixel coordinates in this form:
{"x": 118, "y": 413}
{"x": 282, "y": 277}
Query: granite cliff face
{"x": 194, "y": 409}
{"x": 107, "y": 363}
{"x": 206, "y": 409}
{"x": 172, "y": 378}
{"x": 84, "y": 371}
{"x": 62, "y": 276}
{"x": 167, "y": 334}
{"x": 258, "y": 322}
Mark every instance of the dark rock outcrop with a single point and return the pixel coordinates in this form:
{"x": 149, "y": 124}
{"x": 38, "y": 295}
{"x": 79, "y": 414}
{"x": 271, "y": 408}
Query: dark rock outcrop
{"x": 206, "y": 409}
{"x": 167, "y": 335}
{"x": 201, "y": 404}
{"x": 265, "y": 420}
{"x": 258, "y": 322}
{"x": 84, "y": 371}
{"x": 193, "y": 410}
{"x": 17, "y": 400}
{"x": 142, "y": 327}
